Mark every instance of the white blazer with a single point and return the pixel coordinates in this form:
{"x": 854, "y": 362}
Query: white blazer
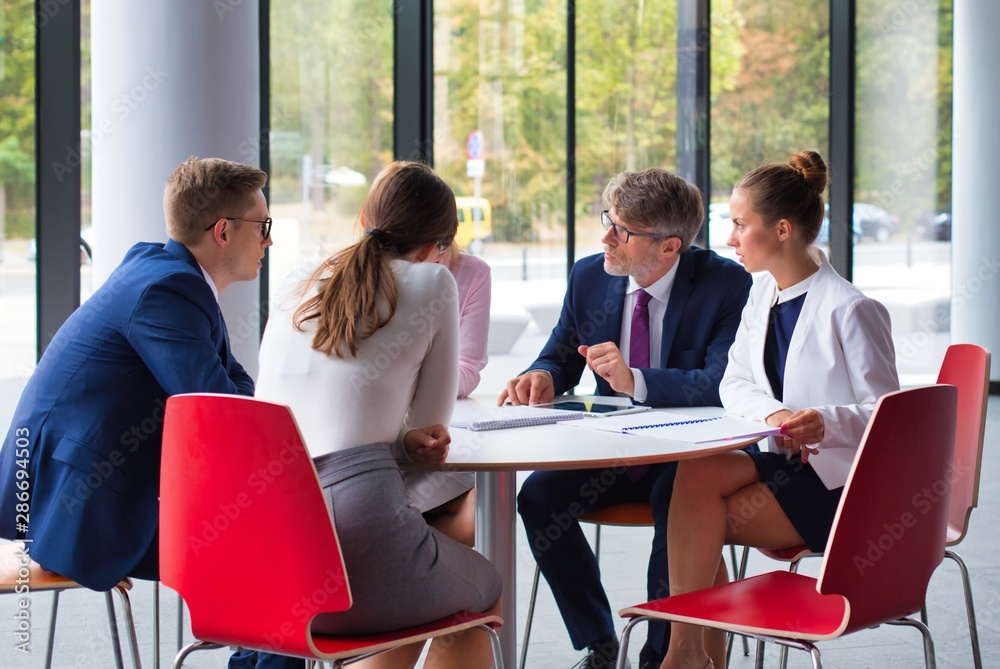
{"x": 840, "y": 361}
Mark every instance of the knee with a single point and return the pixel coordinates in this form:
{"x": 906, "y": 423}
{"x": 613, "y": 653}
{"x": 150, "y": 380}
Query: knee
{"x": 694, "y": 476}
{"x": 534, "y": 498}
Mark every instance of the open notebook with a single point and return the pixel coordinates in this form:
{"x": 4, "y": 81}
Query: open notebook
{"x": 502, "y": 417}
{"x": 677, "y": 427}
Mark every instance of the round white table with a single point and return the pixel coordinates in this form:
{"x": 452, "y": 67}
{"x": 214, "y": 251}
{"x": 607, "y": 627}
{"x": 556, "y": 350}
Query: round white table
{"x": 495, "y": 456}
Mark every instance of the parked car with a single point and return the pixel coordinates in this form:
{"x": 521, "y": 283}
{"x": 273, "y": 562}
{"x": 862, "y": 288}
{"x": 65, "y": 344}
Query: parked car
{"x": 874, "y": 221}
{"x": 720, "y": 225}
{"x": 935, "y": 227}
{"x": 86, "y": 252}
{"x": 343, "y": 176}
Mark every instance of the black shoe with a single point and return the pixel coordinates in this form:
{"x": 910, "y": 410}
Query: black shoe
{"x": 649, "y": 658}
{"x": 595, "y": 660}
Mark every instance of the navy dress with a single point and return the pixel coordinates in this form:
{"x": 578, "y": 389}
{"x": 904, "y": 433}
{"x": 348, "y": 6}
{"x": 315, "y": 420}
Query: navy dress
{"x": 807, "y": 502}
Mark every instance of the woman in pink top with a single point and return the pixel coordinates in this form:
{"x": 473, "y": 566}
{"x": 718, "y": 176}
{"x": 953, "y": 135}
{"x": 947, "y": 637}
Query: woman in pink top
{"x": 448, "y": 499}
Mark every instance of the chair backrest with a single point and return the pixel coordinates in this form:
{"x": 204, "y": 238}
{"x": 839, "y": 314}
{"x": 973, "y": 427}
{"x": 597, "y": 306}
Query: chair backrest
{"x": 967, "y": 367}
{"x": 889, "y": 532}
{"x": 245, "y": 534}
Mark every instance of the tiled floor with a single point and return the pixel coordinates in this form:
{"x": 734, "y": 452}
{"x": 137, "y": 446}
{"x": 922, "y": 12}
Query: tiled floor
{"x": 82, "y": 639}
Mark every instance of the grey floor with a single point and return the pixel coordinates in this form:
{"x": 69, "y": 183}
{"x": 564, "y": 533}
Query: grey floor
{"x": 82, "y": 638}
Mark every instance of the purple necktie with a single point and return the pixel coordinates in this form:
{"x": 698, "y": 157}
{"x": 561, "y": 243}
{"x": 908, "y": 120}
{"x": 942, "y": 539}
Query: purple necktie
{"x": 638, "y": 344}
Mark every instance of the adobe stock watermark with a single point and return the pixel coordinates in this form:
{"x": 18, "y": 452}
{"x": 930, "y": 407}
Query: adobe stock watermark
{"x": 22, "y": 586}
{"x": 305, "y": 608}
{"x": 225, "y": 7}
{"x": 922, "y": 502}
{"x": 962, "y": 296}
{"x": 228, "y": 512}
{"x": 419, "y": 322}
{"x": 121, "y": 108}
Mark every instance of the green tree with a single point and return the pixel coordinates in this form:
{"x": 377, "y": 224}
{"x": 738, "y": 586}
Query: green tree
{"x": 17, "y": 118}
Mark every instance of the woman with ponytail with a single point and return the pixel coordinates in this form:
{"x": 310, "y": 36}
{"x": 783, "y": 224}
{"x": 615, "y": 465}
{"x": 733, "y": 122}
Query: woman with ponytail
{"x": 812, "y": 355}
{"x": 366, "y": 356}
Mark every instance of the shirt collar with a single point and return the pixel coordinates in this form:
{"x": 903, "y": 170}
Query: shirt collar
{"x": 792, "y": 292}
{"x": 211, "y": 284}
{"x": 659, "y": 289}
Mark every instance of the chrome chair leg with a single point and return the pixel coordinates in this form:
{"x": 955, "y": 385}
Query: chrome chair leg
{"x": 528, "y": 620}
{"x": 130, "y": 627}
{"x": 113, "y": 623}
{"x": 623, "y": 644}
{"x": 929, "y": 660}
{"x": 156, "y": 624}
{"x": 180, "y": 623}
{"x": 738, "y": 574}
{"x": 970, "y": 610}
{"x": 187, "y": 650}
{"x": 52, "y": 629}
{"x": 494, "y": 645}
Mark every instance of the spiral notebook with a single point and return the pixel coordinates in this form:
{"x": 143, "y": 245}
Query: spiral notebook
{"x": 503, "y": 417}
{"x": 677, "y": 427}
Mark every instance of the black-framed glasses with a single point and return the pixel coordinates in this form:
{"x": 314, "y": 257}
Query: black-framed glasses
{"x": 622, "y": 233}
{"x": 265, "y": 225}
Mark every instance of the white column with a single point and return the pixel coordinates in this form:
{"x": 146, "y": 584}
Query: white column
{"x": 975, "y": 307}
{"x": 170, "y": 79}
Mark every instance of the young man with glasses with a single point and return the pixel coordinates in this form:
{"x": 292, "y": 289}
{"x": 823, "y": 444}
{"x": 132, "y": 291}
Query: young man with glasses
{"x": 654, "y": 318}
{"x": 87, "y": 430}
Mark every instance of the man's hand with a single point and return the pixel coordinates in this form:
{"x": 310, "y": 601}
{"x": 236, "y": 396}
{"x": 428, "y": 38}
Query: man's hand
{"x": 529, "y": 388}
{"x": 799, "y": 429}
{"x": 427, "y": 444}
{"x": 607, "y": 361}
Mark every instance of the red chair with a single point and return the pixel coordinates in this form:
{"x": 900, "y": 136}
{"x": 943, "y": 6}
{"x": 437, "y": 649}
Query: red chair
{"x": 888, "y": 537}
{"x": 967, "y": 367}
{"x": 235, "y": 468}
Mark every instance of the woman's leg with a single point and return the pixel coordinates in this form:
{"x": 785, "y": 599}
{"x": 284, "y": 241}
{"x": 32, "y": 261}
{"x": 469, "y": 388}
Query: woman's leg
{"x": 456, "y": 518}
{"x": 715, "y": 500}
{"x": 470, "y": 649}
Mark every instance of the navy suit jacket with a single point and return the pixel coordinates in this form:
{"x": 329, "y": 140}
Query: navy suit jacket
{"x": 88, "y": 427}
{"x": 703, "y": 314}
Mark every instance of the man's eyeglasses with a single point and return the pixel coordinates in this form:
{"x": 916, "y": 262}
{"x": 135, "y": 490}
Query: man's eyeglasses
{"x": 265, "y": 225}
{"x": 622, "y": 233}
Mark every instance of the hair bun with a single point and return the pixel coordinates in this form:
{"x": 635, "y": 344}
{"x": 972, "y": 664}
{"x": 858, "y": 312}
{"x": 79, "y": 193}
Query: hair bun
{"x": 810, "y": 165}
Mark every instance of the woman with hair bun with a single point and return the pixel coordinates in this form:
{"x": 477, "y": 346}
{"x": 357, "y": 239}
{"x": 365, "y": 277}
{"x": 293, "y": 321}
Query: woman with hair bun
{"x": 812, "y": 355}
{"x": 366, "y": 355}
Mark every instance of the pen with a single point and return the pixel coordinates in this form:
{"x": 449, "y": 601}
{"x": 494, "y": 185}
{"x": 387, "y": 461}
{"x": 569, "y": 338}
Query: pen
{"x": 624, "y": 411}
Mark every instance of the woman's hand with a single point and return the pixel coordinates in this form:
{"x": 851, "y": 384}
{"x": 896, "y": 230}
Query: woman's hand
{"x": 427, "y": 444}
{"x": 798, "y": 430}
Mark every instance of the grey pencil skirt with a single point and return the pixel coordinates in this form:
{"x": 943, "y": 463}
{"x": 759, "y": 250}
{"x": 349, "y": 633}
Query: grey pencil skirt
{"x": 401, "y": 571}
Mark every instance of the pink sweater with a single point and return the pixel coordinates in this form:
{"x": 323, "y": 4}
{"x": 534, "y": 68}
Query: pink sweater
{"x": 472, "y": 275}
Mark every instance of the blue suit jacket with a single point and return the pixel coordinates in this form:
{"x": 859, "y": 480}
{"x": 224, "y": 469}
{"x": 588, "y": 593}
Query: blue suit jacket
{"x": 88, "y": 427}
{"x": 702, "y": 317}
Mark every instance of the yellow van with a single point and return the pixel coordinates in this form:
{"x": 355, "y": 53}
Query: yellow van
{"x": 467, "y": 206}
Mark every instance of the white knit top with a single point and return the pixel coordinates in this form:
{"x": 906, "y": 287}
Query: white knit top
{"x": 404, "y": 376}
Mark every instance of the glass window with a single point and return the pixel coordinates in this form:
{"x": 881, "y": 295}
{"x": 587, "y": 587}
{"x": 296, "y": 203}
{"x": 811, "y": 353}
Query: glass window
{"x": 86, "y": 159}
{"x": 331, "y": 122}
{"x": 770, "y": 77}
{"x": 626, "y": 99}
{"x": 17, "y": 200}
{"x": 902, "y": 210}
{"x": 500, "y": 69}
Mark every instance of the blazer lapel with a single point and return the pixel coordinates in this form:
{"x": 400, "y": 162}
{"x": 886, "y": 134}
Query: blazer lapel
{"x": 611, "y": 330}
{"x": 679, "y": 295}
